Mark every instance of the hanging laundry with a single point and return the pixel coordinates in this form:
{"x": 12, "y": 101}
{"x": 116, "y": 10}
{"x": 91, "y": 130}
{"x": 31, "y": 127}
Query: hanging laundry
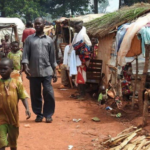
{"x": 135, "y": 49}
{"x": 145, "y": 37}
{"x": 127, "y": 41}
{"x": 120, "y": 35}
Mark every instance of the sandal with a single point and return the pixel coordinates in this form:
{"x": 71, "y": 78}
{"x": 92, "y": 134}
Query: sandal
{"x": 49, "y": 120}
{"x": 38, "y": 119}
{"x": 73, "y": 96}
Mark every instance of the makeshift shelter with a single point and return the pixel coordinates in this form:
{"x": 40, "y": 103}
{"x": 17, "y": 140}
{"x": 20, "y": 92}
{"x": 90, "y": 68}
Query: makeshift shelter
{"x": 14, "y": 29}
{"x": 102, "y": 26}
{"x": 64, "y": 23}
{"x": 6, "y": 25}
{"x": 64, "y": 30}
{"x": 105, "y": 29}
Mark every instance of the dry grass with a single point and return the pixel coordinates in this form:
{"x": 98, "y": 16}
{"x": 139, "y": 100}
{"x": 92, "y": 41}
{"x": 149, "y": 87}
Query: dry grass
{"x": 102, "y": 26}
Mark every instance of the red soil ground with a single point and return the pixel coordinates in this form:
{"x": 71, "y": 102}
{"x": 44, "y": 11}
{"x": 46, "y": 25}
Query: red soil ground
{"x": 62, "y": 132}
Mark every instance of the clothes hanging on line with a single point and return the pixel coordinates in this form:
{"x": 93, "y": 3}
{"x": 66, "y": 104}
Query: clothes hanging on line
{"x": 145, "y": 38}
{"x": 127, "y": 41}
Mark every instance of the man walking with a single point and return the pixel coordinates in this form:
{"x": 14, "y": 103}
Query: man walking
{"x": 82, "y": 46}
{"x": 28, "y": 31}
{"x": 39, "y": 64}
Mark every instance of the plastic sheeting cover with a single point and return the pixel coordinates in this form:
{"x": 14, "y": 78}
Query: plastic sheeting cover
{"x": 18, "y": 22}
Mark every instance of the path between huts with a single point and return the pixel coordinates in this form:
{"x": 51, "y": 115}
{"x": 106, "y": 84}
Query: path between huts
{"x": 84, "y": 135}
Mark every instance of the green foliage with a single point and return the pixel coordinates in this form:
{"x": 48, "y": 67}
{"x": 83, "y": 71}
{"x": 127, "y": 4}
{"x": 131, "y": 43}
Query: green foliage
{"x": 131, "y": 2}
{"x": 28, "y": 9}
{"x": 103, "y": 6}
{"x": 66, "y": 8}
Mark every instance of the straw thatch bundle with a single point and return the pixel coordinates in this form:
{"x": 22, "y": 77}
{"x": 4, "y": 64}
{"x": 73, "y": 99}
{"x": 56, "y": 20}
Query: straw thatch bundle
{"x": 102, "y": 26}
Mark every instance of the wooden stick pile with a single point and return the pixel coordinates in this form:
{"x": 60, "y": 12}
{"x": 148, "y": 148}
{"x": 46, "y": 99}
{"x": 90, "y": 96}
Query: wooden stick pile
{"x": 129, "y": 139}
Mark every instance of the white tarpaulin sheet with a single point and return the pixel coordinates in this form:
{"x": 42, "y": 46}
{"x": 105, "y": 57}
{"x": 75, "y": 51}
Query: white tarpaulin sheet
{"x": 7, "y": 21}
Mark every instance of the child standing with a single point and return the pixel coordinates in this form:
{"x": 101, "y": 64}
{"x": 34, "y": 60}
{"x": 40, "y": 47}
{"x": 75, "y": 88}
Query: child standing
{"x": 11, "y": 90}
{"x": 16, "y": 56}
{"x": 7, "y": 45}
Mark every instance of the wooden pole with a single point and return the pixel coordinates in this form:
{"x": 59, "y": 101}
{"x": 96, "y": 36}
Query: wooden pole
{"x": 55, "y": 42}
{"x": 62, "y": 31}
{"x": 69, "y": 33}
{"x": 70, "y": 78}
{"x": 142, "y": 87}
{"x": 145, "y": 108}
{"x": 135, "y": 83}
{"x": 16, "y": 33}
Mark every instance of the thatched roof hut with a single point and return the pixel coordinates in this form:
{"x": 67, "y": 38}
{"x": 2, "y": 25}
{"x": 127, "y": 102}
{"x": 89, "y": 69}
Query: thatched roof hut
{"x": 105, "y": 28}
{"x": 104, "y": 25}
{"x": 63, "y": 26}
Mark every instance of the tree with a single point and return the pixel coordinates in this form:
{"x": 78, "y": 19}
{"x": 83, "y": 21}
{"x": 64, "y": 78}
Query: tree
{"x": 120, "y": 2}
{"x": 96, "y": 5}
{"x": 131, "y": 2}
{"x": 103, "y": 6}
{"x": 2, "y": 6}
{"x": 29, "y": 9}
{"x": 66, "y": 8}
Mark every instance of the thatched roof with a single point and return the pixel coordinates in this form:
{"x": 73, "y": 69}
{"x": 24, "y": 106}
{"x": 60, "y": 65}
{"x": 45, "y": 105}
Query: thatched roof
{"x": 60, "y": 20}
{"x": 102, "y": 26}
{"x": 86, "y": 18}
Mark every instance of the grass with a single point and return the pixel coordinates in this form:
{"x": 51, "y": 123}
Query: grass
{"x": 102, "y": 26}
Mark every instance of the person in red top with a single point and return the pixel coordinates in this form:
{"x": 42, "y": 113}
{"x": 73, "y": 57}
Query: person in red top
{"x": 28, "y": 31}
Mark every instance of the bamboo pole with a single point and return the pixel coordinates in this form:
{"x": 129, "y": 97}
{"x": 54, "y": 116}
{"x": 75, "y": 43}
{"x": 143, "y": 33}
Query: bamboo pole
{"x": 135, "y": 83}
{"x": 147, "y": 57}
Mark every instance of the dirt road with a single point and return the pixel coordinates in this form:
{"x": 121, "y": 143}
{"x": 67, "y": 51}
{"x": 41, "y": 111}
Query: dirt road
{"x": 63, "y": 131}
